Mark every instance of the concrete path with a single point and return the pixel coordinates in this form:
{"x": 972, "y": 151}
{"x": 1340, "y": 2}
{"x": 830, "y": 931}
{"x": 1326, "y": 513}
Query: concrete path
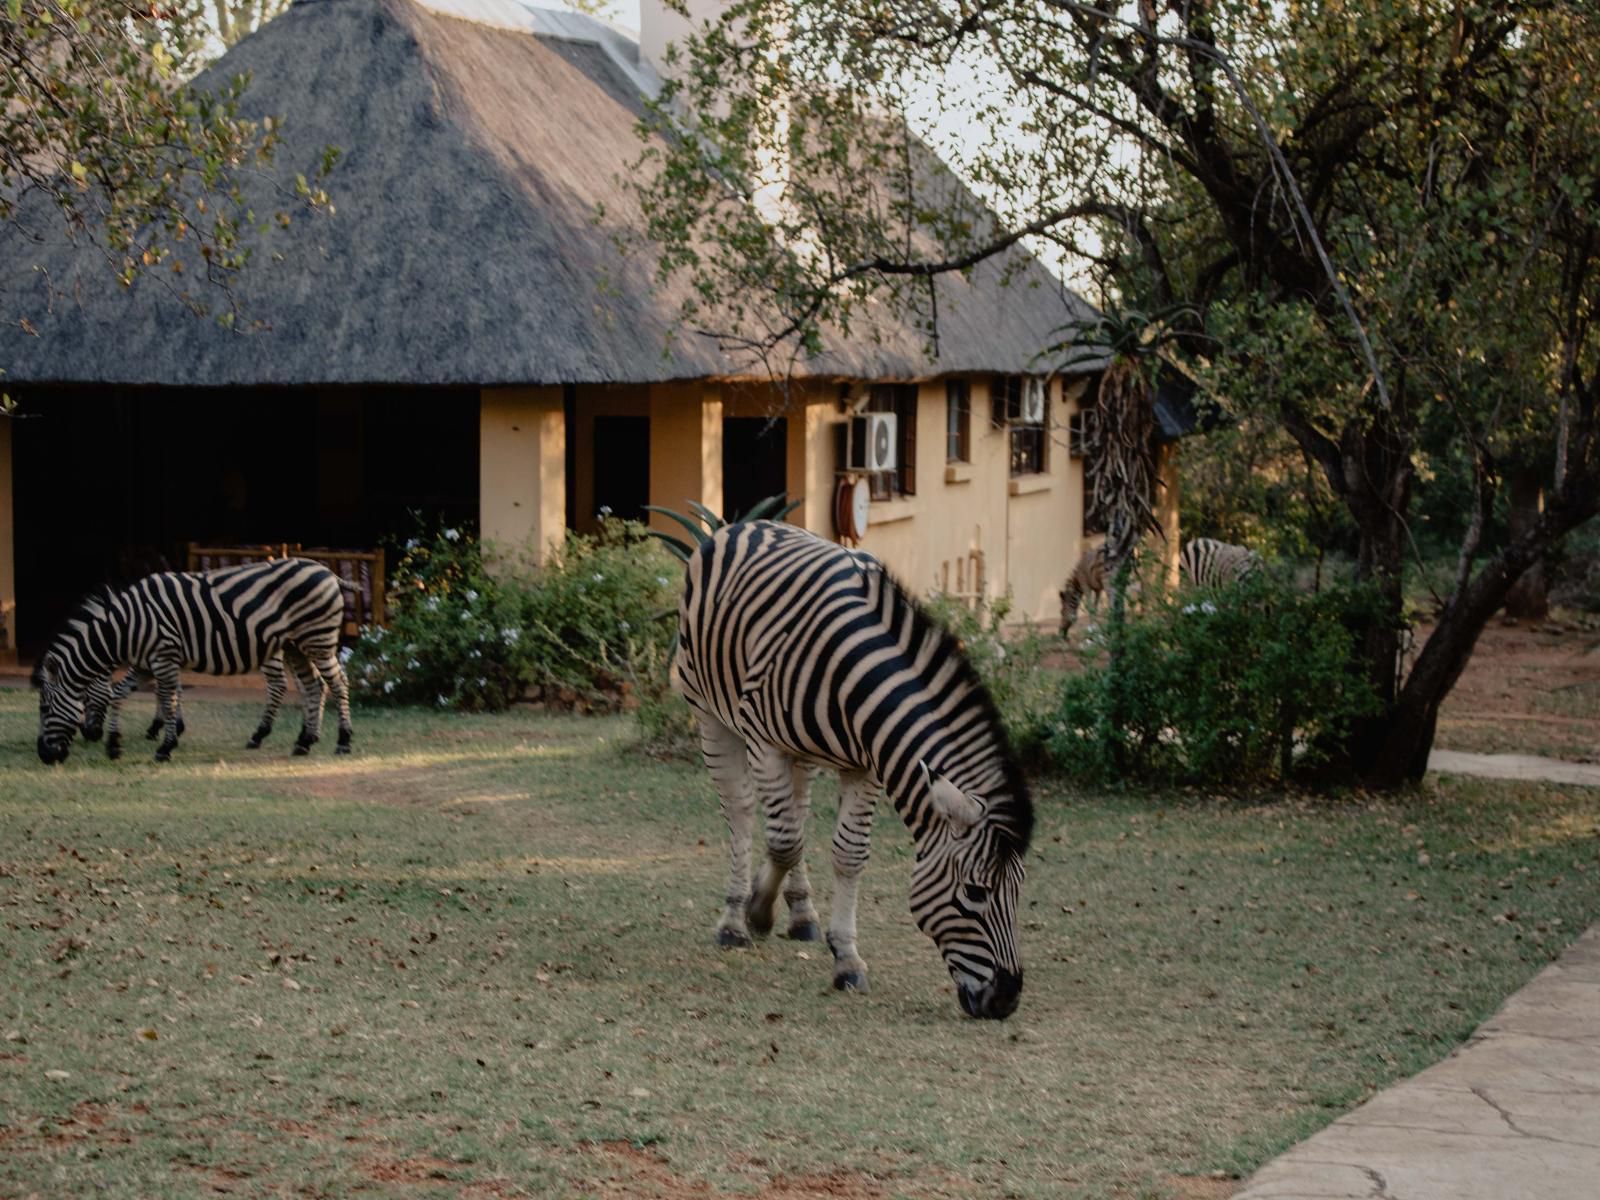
{"x": 1515, "y": 766}
{"x": 1512, "y": 1115}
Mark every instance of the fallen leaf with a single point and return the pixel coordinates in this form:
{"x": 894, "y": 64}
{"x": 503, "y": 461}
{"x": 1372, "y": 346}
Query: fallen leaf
{"x": 639, "y": 1093}
{"x": 148, "y": 1033}
{"x": 58, "y": 1075}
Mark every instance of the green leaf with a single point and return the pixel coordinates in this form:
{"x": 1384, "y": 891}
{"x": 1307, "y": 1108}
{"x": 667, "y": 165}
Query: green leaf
{"x": 693, "y": 527}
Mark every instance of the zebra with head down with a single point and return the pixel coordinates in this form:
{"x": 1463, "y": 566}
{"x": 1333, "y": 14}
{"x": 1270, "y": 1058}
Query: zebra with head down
{"x": 221, "y": 622}
{"x": 795, "y": 653}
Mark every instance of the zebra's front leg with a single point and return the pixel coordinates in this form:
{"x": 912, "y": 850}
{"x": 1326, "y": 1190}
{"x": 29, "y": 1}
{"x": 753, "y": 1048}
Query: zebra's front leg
{"x": 851, "y": 846}
{"x": 272, "y": 671}
{"x": 125, "y": 687}
{"x": 785, "y": 789}
{"x": 727, "y": 760}
{"x": 167, "y": 708}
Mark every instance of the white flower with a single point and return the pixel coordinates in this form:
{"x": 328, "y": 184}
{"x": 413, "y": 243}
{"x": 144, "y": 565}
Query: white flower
{"x": 411, "y": 647}
{"x": 412, "y": 543}
{"x": 471, "y": 595}
{"x": 388, "y": 686}
{"x": 466, "y": 614}
{"x": 345, "y": 653}
{"x": 383, "y": 658}
{"x": 1189, "y": 608}
{"x": 599, "y": 578}
{"x": 452, "y": 535}
{"x": 624, "y": 626}
{"x": 433, "y": 604}
{"x": 663, "y": 581}
{"x": 482, "y": 683}
{"x": 474, "y": 653}
{"x": 605, "y": 511}
{"x": 1209, "y": 607}
{"x": 366, "y": 671}
{"x": 1000, "y": 653}
{"x": 510, "y": 634}
{"x": 413, "y": 665}
{"x": 582, "y": 591}
{"x": 444, "y": 701}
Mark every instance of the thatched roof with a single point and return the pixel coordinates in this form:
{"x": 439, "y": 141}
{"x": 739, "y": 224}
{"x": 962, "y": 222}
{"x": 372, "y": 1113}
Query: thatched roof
{"x": 465, "y": 247}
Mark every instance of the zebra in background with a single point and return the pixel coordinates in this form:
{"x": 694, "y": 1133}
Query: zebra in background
{"x": 795, "y": 653}
{"x": 221, "y": 622}
{"x": 1088, "y": 576}
{"x": 103, "y": 699}
{"x": 1212, "y": 564}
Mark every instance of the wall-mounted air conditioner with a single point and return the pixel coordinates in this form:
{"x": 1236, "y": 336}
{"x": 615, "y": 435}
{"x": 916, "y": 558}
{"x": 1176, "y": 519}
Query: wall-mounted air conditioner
{"x": 872, "y": 443}
{"x": 1033, "y": 394}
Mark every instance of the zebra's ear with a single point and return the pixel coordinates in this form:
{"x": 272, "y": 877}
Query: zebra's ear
{"x": 960, "y": 810}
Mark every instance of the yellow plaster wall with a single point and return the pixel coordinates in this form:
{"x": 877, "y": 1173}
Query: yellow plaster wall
{"x": 522, "y": 470}
{"x": 1167, "y": 500}
{"x": 1045, "y": 525}
{"x": 8, "y": 550}
{"x": 685, "y": 448}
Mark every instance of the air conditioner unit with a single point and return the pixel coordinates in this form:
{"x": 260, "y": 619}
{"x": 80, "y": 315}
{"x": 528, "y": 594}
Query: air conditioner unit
{"x": 873, "y": 443}
{"x": 1033, "y": 402}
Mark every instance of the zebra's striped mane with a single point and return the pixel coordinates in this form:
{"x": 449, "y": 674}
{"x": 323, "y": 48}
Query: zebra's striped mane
{"x": 1012, "y": 811}
{"x": 91, "y": 607}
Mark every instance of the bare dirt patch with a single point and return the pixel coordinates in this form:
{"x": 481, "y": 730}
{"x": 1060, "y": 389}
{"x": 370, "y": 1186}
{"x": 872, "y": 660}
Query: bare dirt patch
{"x": 1528, "y": 689}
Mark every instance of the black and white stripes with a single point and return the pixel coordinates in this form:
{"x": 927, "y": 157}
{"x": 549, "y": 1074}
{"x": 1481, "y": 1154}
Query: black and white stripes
{"x": 1209, "y": 563}
{"x": 220, "y": 622}
{"x": 794, "y": 653}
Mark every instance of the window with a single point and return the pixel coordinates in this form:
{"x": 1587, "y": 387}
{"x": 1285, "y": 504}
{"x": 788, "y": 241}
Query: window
{"x": 901, "y": 400}
{"x": 1080, "y": 430}
{"x": 957, "y": 421}
{"x": 1029, "y": 439}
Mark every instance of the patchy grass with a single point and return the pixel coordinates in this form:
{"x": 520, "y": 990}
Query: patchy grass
{"x": 475, "y": 959}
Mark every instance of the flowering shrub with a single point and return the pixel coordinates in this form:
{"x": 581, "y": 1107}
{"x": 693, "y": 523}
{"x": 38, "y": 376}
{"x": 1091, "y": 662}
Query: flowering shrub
{"x": 460, "y": 637}
{"x": 1236, "y": 686}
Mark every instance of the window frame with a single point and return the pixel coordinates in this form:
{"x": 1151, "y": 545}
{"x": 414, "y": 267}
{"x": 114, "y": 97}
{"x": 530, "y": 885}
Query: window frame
{"x": 957, "y": 421}
{"x": 901, "y": 400}
{"x": 1028, "y": 442}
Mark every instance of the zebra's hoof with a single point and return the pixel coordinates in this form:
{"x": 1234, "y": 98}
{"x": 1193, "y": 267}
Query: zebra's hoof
{"x": 760, "y": 923}
{"x": 163, "y": 755}
{"x": 733, "y": 939}
{"x": 152, "y": 733}
{"x": 181, "y": 727}
{"x": 850, "y": 981}
{"x": 805, "y": 931}
{"x": 253, "y": 744}
{"x": 342, "y": 748}
{"x": 301, "y": 749}
{"x": 114, "y": 750}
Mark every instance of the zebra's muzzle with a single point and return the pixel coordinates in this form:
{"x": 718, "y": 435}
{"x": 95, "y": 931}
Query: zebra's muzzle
{"x": 51, "y": 753}
{"x": 996, "y": 1000}
{"x": 92, "y": 731}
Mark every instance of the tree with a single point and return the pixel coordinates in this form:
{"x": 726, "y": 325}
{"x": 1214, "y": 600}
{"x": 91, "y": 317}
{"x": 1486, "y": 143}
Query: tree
{"x": 1381, "y": 218}
{"x": 99, "y": 135}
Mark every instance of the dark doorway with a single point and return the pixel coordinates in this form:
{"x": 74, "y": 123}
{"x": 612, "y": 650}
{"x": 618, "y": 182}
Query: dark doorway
{"x": 755, "y": 462}
{"x": 622, "y": 466}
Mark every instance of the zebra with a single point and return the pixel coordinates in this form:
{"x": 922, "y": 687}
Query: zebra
{"x": 222, "y": 622}
{"x": 795, "y": 653}
{"x": 103, "y": 698}
{"x": 1212, "y": 564}
{"x": 1088, "y": 576}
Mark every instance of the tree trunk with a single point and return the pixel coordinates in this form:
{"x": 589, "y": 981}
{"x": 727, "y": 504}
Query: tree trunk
{"x": 1400, "y": 755}
{"x": 1525, "y": 492}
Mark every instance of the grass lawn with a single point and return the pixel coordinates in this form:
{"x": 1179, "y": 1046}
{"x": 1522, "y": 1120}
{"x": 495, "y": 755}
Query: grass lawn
{"x": 476, "y": 959}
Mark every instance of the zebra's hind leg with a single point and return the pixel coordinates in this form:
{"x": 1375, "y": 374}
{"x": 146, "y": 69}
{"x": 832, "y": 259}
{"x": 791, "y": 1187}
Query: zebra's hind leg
{"x": 166, "y": 674}
{"x": 125, "y": 687}
{"x": 785, "y": 789}
{"x": 272, "y": 670}
{"x": 727, "y": 760}
{"x": 328, "y": 667}
{"x": 851, "y": 846}
{"x": 312, "y": 696}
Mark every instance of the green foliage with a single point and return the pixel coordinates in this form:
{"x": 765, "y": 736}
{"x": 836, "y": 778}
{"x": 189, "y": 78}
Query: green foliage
{"x": 703, "y": 523}
{"x": 578, "y": 629}
{"x": 1009, "y": 662}
{"x": 1237, "y": 687}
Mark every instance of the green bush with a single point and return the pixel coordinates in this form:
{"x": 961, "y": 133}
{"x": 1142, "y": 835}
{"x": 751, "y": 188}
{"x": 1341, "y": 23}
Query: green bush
{"x": 1010, "y": 663}
{"x": 572, "y": 631}
{"x": 1238, "y": 686}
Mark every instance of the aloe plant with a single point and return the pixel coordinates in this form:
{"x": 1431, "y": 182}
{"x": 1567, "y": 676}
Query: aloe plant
{"x": 703, "y": 523}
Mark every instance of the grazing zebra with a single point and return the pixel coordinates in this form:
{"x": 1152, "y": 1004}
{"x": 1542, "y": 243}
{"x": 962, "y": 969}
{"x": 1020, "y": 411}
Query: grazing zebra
{"x": 1088, "y": 576}
{"x": 221, "y": 622}
{"x": 795, "y": 653}
{"x": 103, "y": 699}
{"x": 1212, "y": 564}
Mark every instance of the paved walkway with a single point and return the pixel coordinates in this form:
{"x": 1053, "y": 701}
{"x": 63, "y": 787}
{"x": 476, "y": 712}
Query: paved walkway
{"x": 1515, "y": 766}
{"x": 1512, "y": 1115}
